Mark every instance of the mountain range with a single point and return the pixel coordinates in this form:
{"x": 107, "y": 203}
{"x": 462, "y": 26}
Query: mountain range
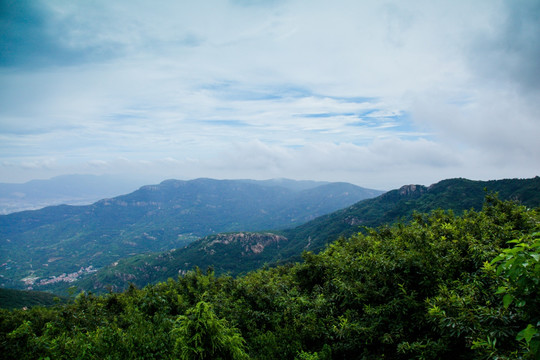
{"x": 61, "y": 244}
{"x": 240, "y": 252}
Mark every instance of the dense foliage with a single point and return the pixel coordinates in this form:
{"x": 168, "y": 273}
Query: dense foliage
{"x": 441, "y": 287}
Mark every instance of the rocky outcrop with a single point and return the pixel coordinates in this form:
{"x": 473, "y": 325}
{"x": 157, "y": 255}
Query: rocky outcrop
{"x": 250, "y": 243}
{"x": 408, "y": 190}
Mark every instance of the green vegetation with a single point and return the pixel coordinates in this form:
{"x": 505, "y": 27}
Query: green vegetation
{"x": 201, "y": 335}
{"x": 232, "y": 253}
{"x": 440, "y": 287}
{"x": 13, "y": 299}
{"x": 457, "y": 195}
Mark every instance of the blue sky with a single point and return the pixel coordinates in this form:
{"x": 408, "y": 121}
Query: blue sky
{"x": 376, "y": 93}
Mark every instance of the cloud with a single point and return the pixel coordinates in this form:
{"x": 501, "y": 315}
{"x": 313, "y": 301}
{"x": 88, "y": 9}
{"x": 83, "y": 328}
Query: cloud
{"x": 508, "y": 50}
{"x": 39, "y": 164}
{"x": 345, "y": 90}
{"x": 99, "y": 164}
{"x": 391, "y": 157}
{"x": 35, "y": 35}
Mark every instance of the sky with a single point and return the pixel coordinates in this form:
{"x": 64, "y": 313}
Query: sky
{"x": 375, "y": 93}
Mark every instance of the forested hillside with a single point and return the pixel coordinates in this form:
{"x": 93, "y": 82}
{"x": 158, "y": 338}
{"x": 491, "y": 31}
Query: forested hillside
{"x": 236, "y": 253}
{"x": 457, "y": 195}
{"x": 60, "y": 244}
{"x": 231, "y": 253}
{"x": 13, "y": 299}
{"x": 441, "y": 287}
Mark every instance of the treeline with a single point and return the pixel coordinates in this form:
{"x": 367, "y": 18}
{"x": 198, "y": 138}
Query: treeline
{"x": 440, "y": 287}
{"x": 12, "y": 299}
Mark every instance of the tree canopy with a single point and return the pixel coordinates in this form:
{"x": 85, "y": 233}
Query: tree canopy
{"x": 440, "y": 287}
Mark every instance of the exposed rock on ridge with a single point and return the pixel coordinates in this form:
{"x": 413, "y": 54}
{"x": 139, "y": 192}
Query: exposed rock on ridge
{"x": 408, "y": 190}
{"x": 251, "y": 243}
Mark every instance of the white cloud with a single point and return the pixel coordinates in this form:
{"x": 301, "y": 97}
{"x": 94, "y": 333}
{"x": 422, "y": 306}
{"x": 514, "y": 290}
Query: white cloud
{"x": 369, "y": 92}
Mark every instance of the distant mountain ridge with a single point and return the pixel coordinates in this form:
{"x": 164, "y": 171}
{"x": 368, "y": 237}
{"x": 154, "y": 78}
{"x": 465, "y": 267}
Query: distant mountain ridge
{"x": 232, "y": 255}
{"x": 65, "y": 189}
{"x": 68, "y": 242}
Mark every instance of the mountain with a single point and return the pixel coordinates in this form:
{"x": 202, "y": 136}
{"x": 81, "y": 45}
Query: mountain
{"x": 457, "y": 195}
{"x": 237, "y": 253}
{"x": 61, "y": 244}
{"x": 65, "y": 189}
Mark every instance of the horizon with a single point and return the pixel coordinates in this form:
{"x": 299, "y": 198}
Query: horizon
{"x": 377, "y": 95}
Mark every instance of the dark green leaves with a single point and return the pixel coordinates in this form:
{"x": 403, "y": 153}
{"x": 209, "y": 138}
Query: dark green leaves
{"x": 443, "y": 286}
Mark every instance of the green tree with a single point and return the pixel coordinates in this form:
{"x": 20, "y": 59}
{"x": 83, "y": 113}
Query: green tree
{"x": 202, "y": 335}
{"x": 520, "y": 268}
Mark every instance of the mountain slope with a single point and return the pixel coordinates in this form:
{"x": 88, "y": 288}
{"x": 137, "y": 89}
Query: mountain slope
{"x": 226, "y": 252}
{"x": 232, "y": 255}
{"x": 13, "y": 299}
{"x": 75, "y": 240}
{"x": 452, "y": 194}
